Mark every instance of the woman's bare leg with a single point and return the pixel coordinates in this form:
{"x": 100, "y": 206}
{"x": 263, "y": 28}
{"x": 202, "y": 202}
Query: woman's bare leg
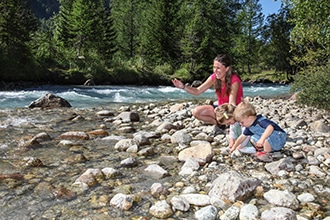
{"x": 205, "y": 113}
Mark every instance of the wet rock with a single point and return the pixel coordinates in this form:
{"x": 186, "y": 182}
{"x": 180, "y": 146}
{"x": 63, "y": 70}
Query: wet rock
{"x": 128, "y": 117}
{"x": 41, "y": 137}
{"x": 110, "y": 172}
{"x": 129, "y": 162}
{"x": 30, "y": 162}
{"x": 88, "y": 179}
{"x": 76, "y": 158}
{"x": 161, "y": 209}
{"x": 49, "y": 101}
{"x": 31, "y": 144}
{"x": 74, "y": 135}
{"x": 156, "y": 171}
{"x": 105, "y": 113}
{"x": 122, "y": 201}
{"x": 64, "y": 193}
{"x": 180, "y": 203}
{"x": 158, "y": 189}
{"x": 98, "y": 133}
{"x": 124, "y": 144}
{"x": 45, "y": 190}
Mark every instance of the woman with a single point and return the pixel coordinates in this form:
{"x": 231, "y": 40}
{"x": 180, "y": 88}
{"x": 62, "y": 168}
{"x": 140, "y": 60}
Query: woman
{"x": 227, "y": 84}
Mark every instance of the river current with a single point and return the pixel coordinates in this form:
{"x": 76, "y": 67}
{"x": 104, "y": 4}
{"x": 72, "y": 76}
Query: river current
{"x": 97, "y": 96}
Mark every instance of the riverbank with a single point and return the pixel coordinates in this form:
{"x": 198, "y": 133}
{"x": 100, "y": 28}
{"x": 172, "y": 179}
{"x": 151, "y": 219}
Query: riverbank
{"x": 134, "y": 162}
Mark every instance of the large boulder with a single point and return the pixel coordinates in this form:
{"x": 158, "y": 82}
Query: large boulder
{"x": 49, "y": 101}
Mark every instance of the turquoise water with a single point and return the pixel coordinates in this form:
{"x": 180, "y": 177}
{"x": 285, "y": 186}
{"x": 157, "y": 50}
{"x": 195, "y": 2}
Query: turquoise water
{"x": 94, "y": 96}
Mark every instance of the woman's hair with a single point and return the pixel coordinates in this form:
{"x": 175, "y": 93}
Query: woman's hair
{"x": 224, "y": 112}
{"x": 244, "y": 110}
{"x": 225, "y": 60}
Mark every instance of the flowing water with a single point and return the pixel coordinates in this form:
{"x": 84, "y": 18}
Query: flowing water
{"x": 95, "y": 96}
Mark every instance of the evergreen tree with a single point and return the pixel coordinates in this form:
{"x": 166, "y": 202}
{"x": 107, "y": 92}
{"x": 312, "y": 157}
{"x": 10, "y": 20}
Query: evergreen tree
{"x": 248, "y": 43}
{"x": 159, "y": 35}
{"x": 16, "y": 24}
{"x": 85, "y": 21}
{"x": 278, "y": 31}
{"x": 208, "y": 31}
{"x": 127, "y": 21}
{"x": 108, "y": 47}
{"x": 63, "y": 25}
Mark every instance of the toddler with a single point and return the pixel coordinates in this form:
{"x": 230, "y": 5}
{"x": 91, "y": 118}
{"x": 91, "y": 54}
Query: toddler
{"x": 266, "y": 135}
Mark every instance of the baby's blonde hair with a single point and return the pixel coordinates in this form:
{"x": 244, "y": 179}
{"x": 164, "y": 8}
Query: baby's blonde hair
{"x": 224, "y": 112}
{"x": 244, "y": 110}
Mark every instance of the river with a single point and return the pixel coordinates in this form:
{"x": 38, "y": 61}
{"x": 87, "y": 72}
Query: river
{"x": 98, "y": 96}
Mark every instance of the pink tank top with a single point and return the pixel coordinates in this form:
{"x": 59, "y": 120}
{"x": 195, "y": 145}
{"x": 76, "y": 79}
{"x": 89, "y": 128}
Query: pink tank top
{"x": 223, "y": 97}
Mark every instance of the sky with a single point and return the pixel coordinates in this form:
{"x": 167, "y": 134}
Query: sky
{"x": 270, "y": 6}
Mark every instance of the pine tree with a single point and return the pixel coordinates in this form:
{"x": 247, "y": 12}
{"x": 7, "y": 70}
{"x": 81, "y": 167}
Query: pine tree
{"x": 127, "y": 18}
{"x": 16, "y": 24}
{"x": 108, "y": 46}
{"x": 247, "y": 43}
{"x": 160, "y": 37}
{"x": 208, "y": 31}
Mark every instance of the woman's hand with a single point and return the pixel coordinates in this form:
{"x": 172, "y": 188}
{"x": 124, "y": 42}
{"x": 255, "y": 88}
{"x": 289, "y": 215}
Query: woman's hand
{"x": 177, "y": 83}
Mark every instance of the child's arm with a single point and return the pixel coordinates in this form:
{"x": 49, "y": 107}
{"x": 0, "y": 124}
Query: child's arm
{"x": 268, "y": 131}
{"x": 231, "y": 142}
{"x": 238, "y": 142}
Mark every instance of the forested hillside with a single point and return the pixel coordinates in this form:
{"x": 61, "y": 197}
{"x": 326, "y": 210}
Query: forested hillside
{"x": 150, "y": 42}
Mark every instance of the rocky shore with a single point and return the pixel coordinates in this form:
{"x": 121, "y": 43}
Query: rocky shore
{"x": 155, "y": 161}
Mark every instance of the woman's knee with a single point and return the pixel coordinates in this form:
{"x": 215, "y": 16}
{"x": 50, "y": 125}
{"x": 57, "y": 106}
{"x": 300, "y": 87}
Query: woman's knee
{"x": 195, "y": 112}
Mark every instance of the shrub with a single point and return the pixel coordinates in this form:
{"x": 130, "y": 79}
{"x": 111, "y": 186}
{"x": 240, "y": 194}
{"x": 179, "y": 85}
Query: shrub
{"x": 313, "y": 87}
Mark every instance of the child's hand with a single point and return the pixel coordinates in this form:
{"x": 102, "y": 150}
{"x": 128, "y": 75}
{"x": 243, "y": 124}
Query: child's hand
{"x": 231, "y": 143}
{"x": 232, "y": 149}
{"x": 260, "y": 145}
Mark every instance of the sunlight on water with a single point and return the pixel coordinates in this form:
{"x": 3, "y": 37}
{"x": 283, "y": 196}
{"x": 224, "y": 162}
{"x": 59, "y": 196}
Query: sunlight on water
{"x": 87, "y": 97}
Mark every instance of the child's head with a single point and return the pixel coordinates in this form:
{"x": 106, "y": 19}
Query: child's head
{"x": 243, "y": 111}
{"x": 224, "y": 114}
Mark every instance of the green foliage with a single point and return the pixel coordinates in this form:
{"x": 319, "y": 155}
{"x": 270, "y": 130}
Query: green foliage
{"x": 278, "y": 30}
{"x": 16, "y": 25}
{"x": 313, "y": 87}
{"x": 165, "y": 69}
{"x": 311, "y": 32}
{"x": 182, "y": 74}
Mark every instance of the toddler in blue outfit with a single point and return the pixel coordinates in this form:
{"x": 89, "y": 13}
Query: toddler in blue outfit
{"x": 265, "y": 135}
